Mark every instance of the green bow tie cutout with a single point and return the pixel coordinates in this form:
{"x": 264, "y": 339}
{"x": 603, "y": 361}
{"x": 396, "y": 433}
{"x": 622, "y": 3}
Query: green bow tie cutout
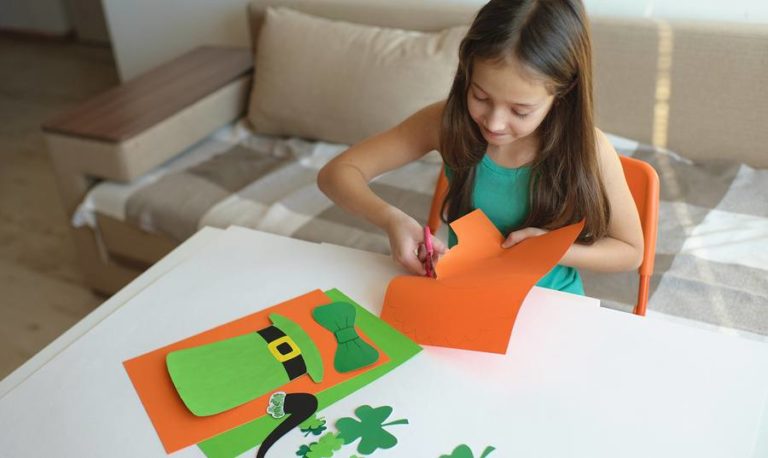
{"x": 352, "y": 352}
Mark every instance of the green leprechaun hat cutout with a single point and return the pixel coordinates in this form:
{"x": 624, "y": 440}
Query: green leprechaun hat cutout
{"x": 219, "y": 376}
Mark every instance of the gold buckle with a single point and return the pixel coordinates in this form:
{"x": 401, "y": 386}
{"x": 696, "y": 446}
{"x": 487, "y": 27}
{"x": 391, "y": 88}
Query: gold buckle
{"x": 272, "y": 346}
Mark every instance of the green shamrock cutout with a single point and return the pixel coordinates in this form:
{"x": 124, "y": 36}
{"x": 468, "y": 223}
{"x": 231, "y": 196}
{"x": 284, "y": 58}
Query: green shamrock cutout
{"x": 313, "y": 425}
{"x": 370, "y": 429}
{"x": 303, "y": 450}
{"x": 463, "y": 451}
{"x": 325, "y": 447}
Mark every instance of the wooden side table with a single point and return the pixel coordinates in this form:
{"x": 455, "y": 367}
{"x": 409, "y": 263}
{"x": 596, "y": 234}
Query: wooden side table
{"x": 126, "y": 131}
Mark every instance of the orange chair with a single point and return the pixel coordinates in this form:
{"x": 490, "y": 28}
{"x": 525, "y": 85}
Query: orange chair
{"x": 643, "y": 183}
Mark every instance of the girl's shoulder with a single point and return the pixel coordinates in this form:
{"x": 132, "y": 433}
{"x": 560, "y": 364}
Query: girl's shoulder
{"x": 424, "y": 126}
{"x": 606, "y": 153}
{"x": 608, "y": 160}
{"x": 437, "y": 108}
{"x": 431, "y": 116}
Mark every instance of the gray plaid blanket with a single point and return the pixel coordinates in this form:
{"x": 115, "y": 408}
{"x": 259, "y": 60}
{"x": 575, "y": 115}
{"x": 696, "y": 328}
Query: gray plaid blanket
{"x": 712, "y": 250}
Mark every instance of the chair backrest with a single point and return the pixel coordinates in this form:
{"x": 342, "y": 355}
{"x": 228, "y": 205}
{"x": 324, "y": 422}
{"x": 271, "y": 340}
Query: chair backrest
{"x": 643, "y": 183}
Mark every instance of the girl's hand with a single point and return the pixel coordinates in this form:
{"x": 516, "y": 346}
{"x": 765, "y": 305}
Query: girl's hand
{"x": 406, "y": 242}
{"x": 518, "y": 236}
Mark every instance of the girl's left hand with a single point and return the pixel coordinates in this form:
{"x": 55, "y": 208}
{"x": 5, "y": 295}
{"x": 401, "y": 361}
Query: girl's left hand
{"x": 518, "y": 236}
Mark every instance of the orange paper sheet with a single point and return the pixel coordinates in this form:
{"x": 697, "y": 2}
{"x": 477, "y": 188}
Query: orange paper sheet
{"x": 177, "y": 427}
{"x": 479, "y": 289}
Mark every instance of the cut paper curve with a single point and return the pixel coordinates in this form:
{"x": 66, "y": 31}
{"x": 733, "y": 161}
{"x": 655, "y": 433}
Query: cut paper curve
{"x": 479, "y": 289}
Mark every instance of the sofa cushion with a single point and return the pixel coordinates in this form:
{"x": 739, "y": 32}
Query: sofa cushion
{"x": 348, "y": 81}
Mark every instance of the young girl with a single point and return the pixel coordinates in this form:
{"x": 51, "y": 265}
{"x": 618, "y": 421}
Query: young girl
{"x": 518, "y": 140}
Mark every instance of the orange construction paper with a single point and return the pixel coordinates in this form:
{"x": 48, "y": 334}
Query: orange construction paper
{"x": 177, "y": 427}
{"x": 480, "y": 286}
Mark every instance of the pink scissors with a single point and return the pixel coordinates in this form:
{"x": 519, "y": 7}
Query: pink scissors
{"x": 430, "y": 252}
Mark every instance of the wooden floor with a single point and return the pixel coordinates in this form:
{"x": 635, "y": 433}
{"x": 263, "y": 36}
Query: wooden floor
{"x": 41, "y": 294}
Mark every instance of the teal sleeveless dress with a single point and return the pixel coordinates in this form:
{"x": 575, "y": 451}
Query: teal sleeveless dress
{"x": 502, "y": 194}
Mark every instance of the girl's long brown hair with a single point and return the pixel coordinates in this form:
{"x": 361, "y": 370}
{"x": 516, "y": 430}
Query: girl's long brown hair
{"x": 552, "y": 38}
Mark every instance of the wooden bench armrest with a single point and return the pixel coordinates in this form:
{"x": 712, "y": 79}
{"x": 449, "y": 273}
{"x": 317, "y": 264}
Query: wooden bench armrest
{"x": 128, "y": 130}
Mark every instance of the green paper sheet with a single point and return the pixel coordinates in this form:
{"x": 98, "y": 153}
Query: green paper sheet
{"x": 397, "y": 346}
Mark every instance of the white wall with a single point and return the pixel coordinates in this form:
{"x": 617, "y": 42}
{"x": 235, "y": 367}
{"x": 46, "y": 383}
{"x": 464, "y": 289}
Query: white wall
{"x": 146, "y": 33}
{"x": 87, "y": 17}
{"x": 44, "y": 16}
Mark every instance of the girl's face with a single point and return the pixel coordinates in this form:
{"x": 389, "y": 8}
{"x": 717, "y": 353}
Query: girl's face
{"x": 506, "y": 101}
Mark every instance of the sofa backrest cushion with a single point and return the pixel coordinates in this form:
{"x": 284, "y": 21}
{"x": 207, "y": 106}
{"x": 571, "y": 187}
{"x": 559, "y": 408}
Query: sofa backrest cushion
{"x": 340, "y": 82}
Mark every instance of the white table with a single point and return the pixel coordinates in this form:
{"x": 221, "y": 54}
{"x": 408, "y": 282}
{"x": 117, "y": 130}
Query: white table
{"x": 578, "y": 380}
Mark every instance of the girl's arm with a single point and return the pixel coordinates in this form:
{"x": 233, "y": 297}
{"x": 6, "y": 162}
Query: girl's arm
{"x": 345, "y": 180}
{"x": 622, "y": 248}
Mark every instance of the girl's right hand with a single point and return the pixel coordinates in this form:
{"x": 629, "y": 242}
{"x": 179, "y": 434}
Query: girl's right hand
{"x": 406, "y": 242}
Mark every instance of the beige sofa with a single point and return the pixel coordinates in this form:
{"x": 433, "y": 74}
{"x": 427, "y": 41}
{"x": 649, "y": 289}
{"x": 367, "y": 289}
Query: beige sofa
{"x": 695, "y": 88}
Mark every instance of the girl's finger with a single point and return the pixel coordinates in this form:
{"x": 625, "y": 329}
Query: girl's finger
{"x": 421, "y": 253}
{"x": 438, "y": 245}
{"x": 518, "y": 236}
{"x": 512, "y": 239}
{"x": 414, "y": 266}
{"x": 411, "y": 262}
